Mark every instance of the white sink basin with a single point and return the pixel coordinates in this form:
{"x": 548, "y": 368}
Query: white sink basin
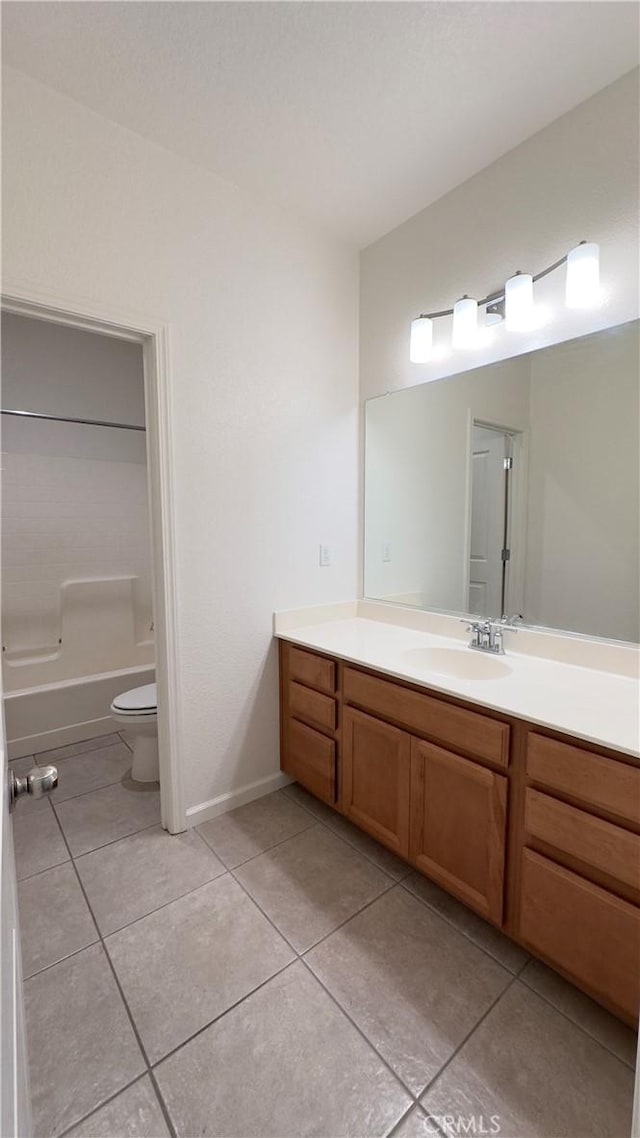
{"x": 459, "y": 663}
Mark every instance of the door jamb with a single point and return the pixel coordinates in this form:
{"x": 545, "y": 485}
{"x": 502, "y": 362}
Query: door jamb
{"x": 155, "y": 341}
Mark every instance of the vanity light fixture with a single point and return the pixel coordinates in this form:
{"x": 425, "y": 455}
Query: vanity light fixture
{"x": 518, "y": 302}
{"x": 465, "y": 323}
{"x": 583, "y": 275}
{"x": 421, "y": 340}
{"x": 514, "y": 304}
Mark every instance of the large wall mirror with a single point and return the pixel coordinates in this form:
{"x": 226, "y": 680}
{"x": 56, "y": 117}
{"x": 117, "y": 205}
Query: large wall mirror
{"x": 513, "y": 488}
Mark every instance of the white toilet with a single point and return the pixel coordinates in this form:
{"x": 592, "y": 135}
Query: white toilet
{"x": 136, "y": 712}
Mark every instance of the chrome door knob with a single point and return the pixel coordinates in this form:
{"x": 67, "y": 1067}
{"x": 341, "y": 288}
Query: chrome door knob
{"x": 38, "y": 782}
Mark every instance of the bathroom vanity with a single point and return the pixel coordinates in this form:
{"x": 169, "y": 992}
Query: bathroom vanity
{"x": 483, "y": 781}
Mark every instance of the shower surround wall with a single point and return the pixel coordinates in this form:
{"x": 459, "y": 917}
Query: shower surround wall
{"x": 76, "y": 566}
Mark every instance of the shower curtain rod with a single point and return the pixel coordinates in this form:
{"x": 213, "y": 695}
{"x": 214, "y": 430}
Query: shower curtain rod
{"x": 65, "y": 419}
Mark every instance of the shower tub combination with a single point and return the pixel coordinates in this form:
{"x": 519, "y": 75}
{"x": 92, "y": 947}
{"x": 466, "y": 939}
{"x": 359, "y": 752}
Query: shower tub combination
{"x": 57, "y": 695}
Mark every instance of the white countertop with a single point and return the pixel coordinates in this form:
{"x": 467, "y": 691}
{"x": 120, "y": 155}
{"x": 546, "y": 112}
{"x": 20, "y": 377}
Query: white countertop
{"x": 600, "y": 706}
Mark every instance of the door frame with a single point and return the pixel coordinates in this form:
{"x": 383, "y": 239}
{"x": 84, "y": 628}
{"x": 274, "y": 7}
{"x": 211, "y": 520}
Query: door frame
{"x": 516, "y": 566}
{"x": 154, "y": 338}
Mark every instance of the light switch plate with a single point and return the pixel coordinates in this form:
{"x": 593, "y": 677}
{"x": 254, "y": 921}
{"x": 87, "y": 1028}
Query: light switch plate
{"x": 325, "y": 555}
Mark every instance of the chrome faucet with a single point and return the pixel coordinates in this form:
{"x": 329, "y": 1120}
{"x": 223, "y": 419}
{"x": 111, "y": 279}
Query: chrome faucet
{"x": 487, "y": 635}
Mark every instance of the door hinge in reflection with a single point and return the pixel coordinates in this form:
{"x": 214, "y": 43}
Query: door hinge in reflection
{"x": 506, "y": 554}
{"x": 507, "y": 463}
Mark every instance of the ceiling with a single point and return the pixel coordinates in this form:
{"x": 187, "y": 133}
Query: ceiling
{"x": 353, "y": 114}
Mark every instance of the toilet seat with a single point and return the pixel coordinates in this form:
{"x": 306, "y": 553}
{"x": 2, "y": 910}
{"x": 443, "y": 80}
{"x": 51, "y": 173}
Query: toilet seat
{"x": 137, "y": 701}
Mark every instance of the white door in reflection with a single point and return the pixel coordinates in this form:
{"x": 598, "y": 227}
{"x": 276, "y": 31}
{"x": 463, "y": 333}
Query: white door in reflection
{"x": 489, "y": 551}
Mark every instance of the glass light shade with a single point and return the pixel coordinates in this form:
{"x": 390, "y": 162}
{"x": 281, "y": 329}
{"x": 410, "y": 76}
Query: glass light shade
{"x": 583, "y": 275}
{"x": 421, "y": 340}
{"x": 465, "y": 323}
{"x": 518, "y": 302}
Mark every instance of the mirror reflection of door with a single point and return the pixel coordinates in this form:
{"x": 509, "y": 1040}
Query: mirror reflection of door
{"x": 490, "y": 470}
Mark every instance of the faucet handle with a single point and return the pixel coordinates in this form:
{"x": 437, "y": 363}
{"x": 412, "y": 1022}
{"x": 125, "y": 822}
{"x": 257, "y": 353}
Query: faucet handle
{"x": 508, "y": 622}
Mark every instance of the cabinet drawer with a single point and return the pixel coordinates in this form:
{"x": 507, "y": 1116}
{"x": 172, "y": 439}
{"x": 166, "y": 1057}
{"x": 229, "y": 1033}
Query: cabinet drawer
{"x": 314, "y": 671}
{"x": 311, "y": 759}
{"x": 595, "y": 780}
{"x": 589, "y": 933}
{"x": 612, "y": 852}
{"x": 314, "y": 708}
{"x": 480, "y": 736}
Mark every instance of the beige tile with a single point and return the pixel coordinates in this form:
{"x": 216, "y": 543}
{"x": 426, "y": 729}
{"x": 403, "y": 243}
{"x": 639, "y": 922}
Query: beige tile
{"x": 286, "y": 1063}
{"x": 298, "y": 794}
{"x": 54, "y": 918}
{"x": 183, "y": 965}
{"x": 368, "y": 847}
{"x": 132, "y": 877}
{"x": 606, "y": 1028}
{"x": 414, "y": 986}
{"x": 538, "y": 1073}
{"x": 251, "y": 829}
{"x": 101, "y": 766}
{"x": 80, "y": 748}
{"x": 416, "y": 1125}
{"x": 105, "y": 815}
{"x": 80, "y": 1042}
{"x": 505, "y": 951}
{"x": 134, "y": 1113}
{"x": 311, "y": 884}
{"x": 37, "y": 839}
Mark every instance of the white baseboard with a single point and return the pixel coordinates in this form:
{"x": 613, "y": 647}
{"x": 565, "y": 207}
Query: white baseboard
{"x": 60, "y": 737}
{"x": 233, "y": 798}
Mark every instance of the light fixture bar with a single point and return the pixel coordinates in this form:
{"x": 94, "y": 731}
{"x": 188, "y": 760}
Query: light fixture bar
{"x": 495, "y": 297}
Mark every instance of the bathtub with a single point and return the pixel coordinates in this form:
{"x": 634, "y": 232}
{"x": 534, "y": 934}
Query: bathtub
{"x": 61, "y": 693}
{"x": 53, "y": 715}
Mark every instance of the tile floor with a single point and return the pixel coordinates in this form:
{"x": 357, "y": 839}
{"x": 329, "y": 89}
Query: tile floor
{"x": 276, "y": 973}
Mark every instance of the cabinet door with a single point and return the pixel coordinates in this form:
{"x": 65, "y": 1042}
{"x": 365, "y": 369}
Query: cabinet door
{"x": 376, "y": 774}
{"x": 458, "y": 819}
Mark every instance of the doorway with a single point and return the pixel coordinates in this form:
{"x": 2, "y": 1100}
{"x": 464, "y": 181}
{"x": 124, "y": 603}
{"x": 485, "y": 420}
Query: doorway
{"x": 495, "y": 555}
{"x": 151, "y": 343}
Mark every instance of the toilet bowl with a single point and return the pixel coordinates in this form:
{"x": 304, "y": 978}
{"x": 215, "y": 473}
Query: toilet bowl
{"x": 136, "y": 712}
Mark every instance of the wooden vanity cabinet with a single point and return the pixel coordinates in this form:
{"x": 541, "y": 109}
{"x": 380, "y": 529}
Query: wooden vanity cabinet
{"x": 537, "y": 832}
{"x": 376, "y": 772}
{"x": 578, "y": 904}
{"x": 308, "y": 720}
{"x": 458, "y": 826}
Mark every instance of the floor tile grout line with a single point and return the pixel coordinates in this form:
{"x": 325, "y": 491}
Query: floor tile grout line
{"x": 402, "y": 881}
{"x": 315, "y": 944}
{"x": 112, "y": 842}
{"x": 164, "y": 905}
{"x": 468, "y": 1036}
{"x": 423, "y": 1114}
{"x": 106, "y": 1102}
{"x": 301, "y": 958}
{"x": 136, "y": 1033}
{"x": 221, "y": 1015}
{"x": 246, "y": 861}
{"x": 162, "y": 1104}
{"x": 630, "y": 1066}
{"x": 341, "y": 837}
{"x": 61, "y": 959}
{"x": 453, "y": 925}
{"x": 398, "y": 1078}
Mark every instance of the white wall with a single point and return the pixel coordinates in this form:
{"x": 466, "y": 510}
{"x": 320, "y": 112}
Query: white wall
{"x": 263, "y": 322}
{"x": 576, "y": 179}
